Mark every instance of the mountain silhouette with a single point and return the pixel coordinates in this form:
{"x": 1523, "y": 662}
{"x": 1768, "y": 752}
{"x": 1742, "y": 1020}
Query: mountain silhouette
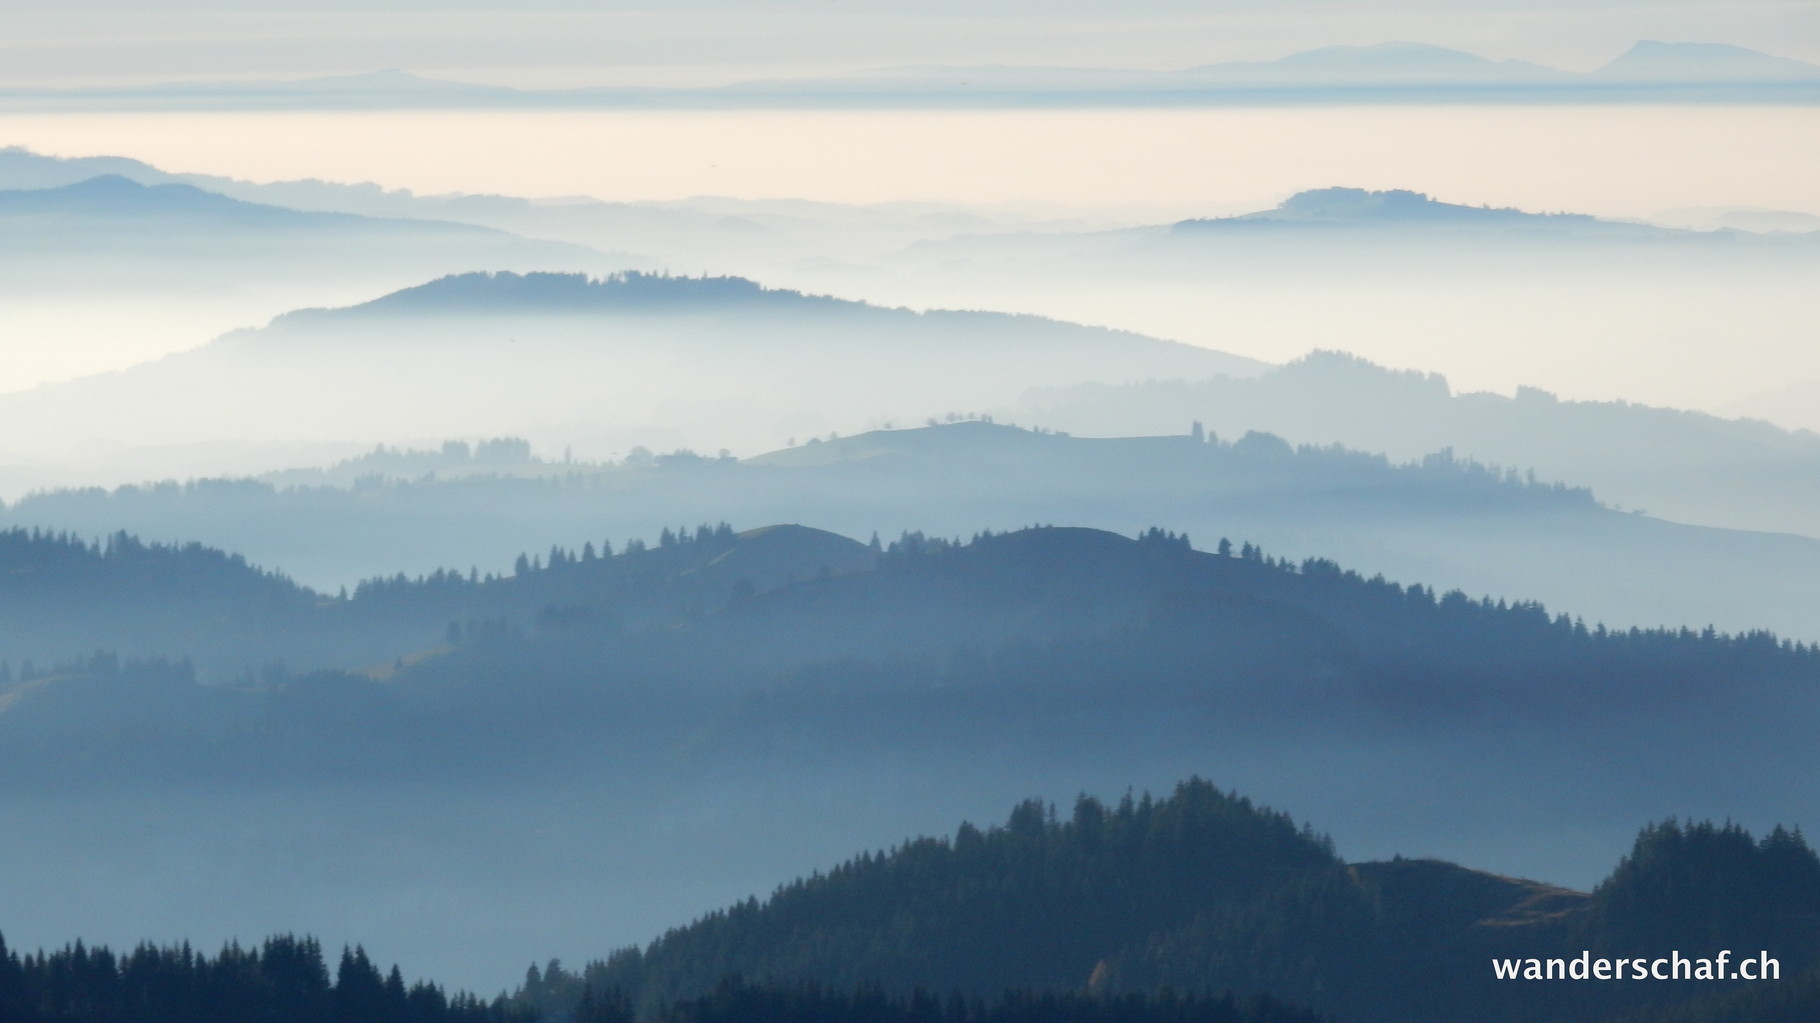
{"x": 1680, "y": 63}
{"x": 1406, "y": 209}
{"x": 1204, "y": 890}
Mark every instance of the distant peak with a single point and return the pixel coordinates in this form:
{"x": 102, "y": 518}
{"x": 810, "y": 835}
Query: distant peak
{"x": 118, "y": 193}
{"x": 562, "y": 292}
{"x": 1656, "y": 61}
{"x": 105, "y": 183}
{"x": 1396, "y": 206}
{"x": 1394, "y": 50}
{"x": 1357, "y": 202}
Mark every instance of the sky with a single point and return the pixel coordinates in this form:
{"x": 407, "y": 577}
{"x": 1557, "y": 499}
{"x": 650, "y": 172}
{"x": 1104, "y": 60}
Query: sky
{"x": 705, "y": 42}
{"x": 1148, "y": 165}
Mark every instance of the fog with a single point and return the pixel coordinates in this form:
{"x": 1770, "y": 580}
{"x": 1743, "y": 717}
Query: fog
{"x": 1605, "y": 325}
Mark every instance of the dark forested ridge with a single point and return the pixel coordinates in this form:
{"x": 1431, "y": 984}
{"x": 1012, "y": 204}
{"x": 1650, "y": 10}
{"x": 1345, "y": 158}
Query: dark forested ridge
{"x": 793, "y": 625}
{"x": 64, "y": 597}
{"x": 737, "y": 1001}
{"x": 1204, "y": 891}
{"x": 1447, "y": 521}
{"x": 1045, "y": 610}
{"x": 284, "y": 980}
{"x": 597, "y": 703}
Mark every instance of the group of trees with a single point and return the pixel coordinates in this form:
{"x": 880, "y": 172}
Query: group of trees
{"x": 1006, "y": 626}
{"x": 1102, "y": 915}
{"x": 286, "y": 980}
{"x": 737, "y": 1001}
{"x": 1037, "y": 902}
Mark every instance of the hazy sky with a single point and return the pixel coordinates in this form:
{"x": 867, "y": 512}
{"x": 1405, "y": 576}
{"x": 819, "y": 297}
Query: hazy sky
{"x": 566, "y": 42}
{"x": 1161, "y": 164}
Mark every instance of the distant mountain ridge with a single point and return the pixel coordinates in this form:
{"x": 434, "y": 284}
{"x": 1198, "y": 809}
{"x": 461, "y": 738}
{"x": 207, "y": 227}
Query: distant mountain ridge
{"x": 1673, "y": 63}
{"x": 1203, "y": 890}
{"x": 1649, "y": 71}
{"x": 1393, "y": 208}
{"x": 1754, "y": 475}
{"x": 117, "y": 197}
{"x": 651, "y": 710}
{"x": 572, "y": 292}
{"x": 1435, "y": 517}
{"x": 603, "y": 364}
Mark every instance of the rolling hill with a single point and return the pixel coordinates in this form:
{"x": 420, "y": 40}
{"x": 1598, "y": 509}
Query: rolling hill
{"x": 1684, "y": 466}
{"x": 1449, "y": 522}
{"x": 1204, "y": 891}
{"x": 598, "y": 363}
{"x": 106, "y": 271}
{"x": 647, "y": 711}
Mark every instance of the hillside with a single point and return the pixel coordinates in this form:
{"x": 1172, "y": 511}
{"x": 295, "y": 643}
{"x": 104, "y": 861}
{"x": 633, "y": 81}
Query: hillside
{"x": 1683, "y": 466}
{"x": 647, "y": 709}
{"x": 1385, "y": 72}
{"x": 62, "y": 598}
{"x": 1403, "y": 209}
{"x": 1484, "y": 292}
{"x": 564, "y": 359}
{"x": 107, "y": 271}
{"x": 1204, "y": 891}
{"x": 1448, "y": 522}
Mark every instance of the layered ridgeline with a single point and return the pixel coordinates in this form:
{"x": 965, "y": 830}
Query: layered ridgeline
{"x": 1079, "y": 655}
{"x": 1679, "y": 465}
{"x": 1650, "y": 71}
{"x": 1445, "y": 521}
{"x": 598, "y": 363}
{"x": 1569, "y": 302}
{"x": 107, "y": 271}
{"x": 287, "y": 980}
{"x": 1201, "y": 907}
{"x": 283, "y": 980}
{"x": 752, "y": 237}
{"x": 110, "y": 231}
{"x": 1205, "y": 891}
{"x": 236, "y": 623}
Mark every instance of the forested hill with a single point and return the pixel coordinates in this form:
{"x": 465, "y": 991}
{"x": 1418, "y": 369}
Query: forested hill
{"x": 792, "y": 632}
{"x": 287, "y": 980}
{"x": 649, "y": 707}
{"x": 283, "y": 980}
{"x": 1036, "y": 902}
{"x": 602, "y": 364}
{"x": 1401, "y": 209}
{"x": 787, "y": 596}
{"x": 61, "y": 598}
{"x": 559, "y": 292}
{"x": 865, "y": 330}
{"x": 1445, "y": 521}
{"x": 1680, "y": 465}
{"x": 1198, "y": 907}
{"x": 1205, "y": 891}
